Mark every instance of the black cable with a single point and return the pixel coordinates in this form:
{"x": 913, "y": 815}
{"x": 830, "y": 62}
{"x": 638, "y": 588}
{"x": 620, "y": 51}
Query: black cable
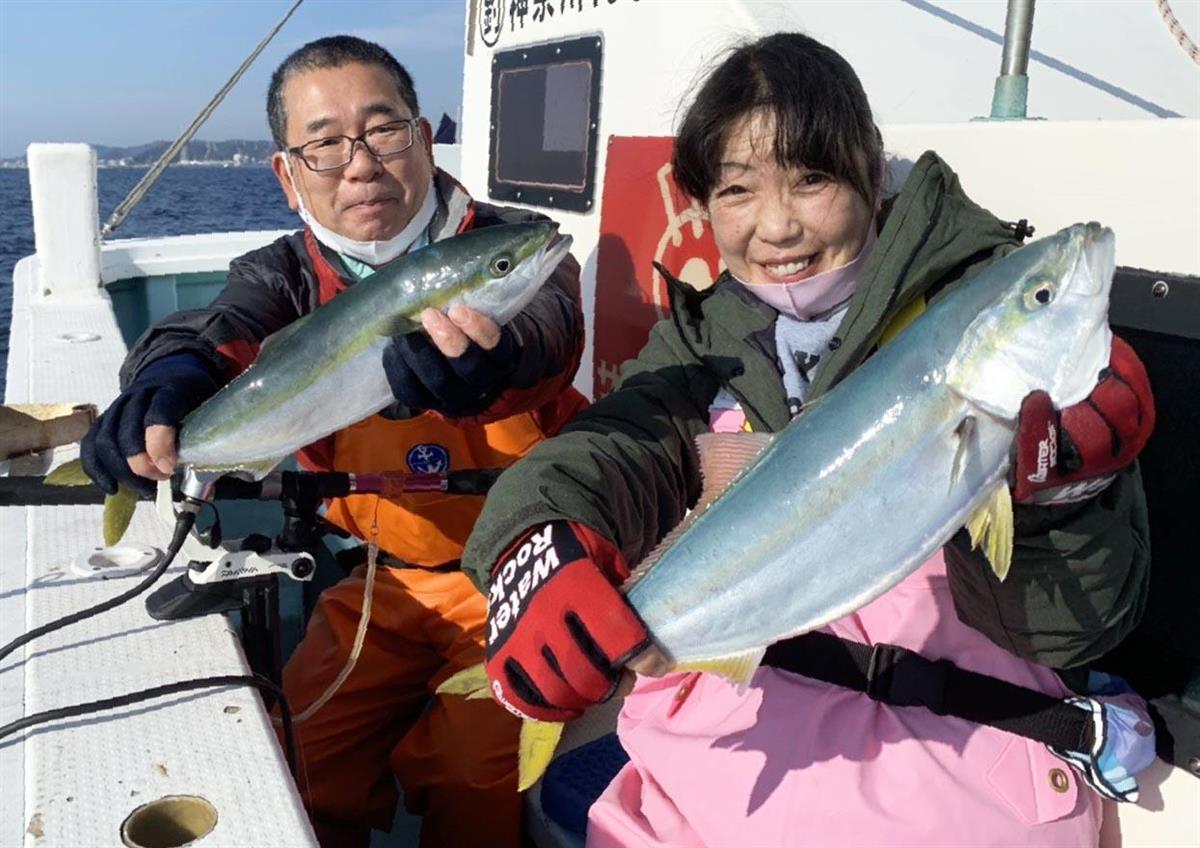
{"x": 183, "y": 525}
{"x": 257, "y": 681}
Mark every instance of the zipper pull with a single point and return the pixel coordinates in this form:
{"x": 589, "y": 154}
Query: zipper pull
{"x": 1021, "y": 229}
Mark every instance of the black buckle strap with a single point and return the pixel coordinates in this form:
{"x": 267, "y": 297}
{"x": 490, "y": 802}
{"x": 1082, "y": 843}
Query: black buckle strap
{"x": 903, "y": 678}
{"x": 893, "y": 675}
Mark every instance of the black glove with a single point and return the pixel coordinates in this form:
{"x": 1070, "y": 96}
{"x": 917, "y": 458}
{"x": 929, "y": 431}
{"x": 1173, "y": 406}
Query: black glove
{"x": 423, "y": 378}
{"x": 163, "y": 392}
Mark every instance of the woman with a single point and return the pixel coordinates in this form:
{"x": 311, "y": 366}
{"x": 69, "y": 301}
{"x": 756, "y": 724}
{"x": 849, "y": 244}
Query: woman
{"x": 780, "y": 148}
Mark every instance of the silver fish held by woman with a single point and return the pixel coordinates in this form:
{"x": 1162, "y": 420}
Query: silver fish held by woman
{"x": 802, "y": 527}
{"x": 324, "y": 371}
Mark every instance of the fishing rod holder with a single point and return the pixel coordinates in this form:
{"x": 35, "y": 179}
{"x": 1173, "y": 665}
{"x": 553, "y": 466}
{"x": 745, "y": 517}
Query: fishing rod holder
{"x": 240, "y": 575}
{"x": 227, "y": 575}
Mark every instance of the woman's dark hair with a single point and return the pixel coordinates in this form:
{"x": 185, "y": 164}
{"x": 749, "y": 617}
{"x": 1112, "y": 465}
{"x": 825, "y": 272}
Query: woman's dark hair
{"x": 332, "y": 52}
{"x": 822, "y": 117}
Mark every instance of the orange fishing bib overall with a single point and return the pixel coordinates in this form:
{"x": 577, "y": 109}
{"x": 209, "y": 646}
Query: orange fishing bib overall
{"x": 455, "y": 759}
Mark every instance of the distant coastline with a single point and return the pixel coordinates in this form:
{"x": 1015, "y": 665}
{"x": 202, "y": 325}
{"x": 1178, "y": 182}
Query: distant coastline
{"x": 231, "y": 153}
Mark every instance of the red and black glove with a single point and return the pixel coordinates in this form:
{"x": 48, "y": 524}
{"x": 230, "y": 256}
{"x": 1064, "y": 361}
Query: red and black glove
{"x": 1063, "y": 456}
{"x": 559, "y": 631}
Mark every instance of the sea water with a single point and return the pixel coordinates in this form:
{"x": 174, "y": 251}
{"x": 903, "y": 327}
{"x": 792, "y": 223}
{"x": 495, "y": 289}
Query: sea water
{"x": 186, "y": 199}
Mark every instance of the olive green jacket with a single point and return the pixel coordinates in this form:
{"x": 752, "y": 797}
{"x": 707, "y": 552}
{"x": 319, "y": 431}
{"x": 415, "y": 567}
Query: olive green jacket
{"x": 627, "y": 466}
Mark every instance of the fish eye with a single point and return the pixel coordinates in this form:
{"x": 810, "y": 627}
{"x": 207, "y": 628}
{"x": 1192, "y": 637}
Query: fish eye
{"x": 501, "y": 265}
{"x": 1040, "y": 294}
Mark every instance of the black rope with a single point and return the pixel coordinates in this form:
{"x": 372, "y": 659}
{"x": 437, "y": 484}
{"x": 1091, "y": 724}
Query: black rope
{"x": 257, "y": 681}
{"x": 183, "y": 525}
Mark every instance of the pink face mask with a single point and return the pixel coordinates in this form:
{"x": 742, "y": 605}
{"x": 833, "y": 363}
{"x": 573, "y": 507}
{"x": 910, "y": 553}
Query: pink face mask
{"x": 818, "y": 294}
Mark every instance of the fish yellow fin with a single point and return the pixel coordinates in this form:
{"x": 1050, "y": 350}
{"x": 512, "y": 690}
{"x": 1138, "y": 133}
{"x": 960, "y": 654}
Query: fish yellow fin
{"x": 68, "y": 474}
{"x": 399, "y": 325}
{"x": 992, "y": 524}
{"x": 902, "y": 319}
{"x": 118, "y": 512}
{"x": 737, "y": 668}
{"x": 538, "y": 741}
{"x": 469, "y": 682}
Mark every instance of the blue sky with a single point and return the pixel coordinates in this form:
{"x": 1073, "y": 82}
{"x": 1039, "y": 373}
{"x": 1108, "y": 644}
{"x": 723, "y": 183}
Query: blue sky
{"x": 123, "y": 72}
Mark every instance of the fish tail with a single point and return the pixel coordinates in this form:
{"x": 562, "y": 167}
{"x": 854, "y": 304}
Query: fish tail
{"x": 539, "y": 739}
{"x": 68, "y": 474}
{"x": 118, "y": 513}
{"x": 469, "y": 682}
{"x": 118, "y": 508}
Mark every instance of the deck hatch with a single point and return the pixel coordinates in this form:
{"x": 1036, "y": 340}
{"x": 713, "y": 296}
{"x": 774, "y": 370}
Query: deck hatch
{"x": 545, "y": 116}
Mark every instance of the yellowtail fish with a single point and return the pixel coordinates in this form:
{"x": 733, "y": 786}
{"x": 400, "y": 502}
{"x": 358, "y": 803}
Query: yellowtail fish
{"x": 802, "y": 527}
{"x": 325, "y": 371}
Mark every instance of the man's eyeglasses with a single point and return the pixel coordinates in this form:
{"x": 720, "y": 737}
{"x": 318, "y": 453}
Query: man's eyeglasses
{"x": 336, "y": 151}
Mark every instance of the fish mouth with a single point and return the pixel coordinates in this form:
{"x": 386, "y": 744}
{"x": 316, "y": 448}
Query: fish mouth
{"x": 1098, "y": 253}
{"x": 553, "y": 251}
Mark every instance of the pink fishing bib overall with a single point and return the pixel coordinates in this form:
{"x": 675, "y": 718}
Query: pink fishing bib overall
{"x": 794, "y": 761}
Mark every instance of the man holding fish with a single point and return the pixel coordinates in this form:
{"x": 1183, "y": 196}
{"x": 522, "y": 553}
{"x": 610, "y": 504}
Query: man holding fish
{"x": 831, "y": 442}
{"x": 461, "y": 391}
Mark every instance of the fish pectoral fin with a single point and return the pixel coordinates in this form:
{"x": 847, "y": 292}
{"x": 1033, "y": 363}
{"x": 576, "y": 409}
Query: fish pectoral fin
{"x": 118, "y": 513}
{"x": 469, "y": 682}
{"x": 965, "y": 432}
{"x": 68, "y": 474}
{"x": 539, "y": 739}
{"x": 992, "y": 524}
{"x": 736, "y": 668}
{"x": 399, "y": 325}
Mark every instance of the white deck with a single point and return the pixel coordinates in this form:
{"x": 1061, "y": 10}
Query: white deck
{"x": 72, "y": 783}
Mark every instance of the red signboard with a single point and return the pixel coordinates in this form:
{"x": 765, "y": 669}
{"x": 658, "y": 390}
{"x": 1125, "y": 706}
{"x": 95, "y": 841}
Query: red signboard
{"x": 644, "y": 218}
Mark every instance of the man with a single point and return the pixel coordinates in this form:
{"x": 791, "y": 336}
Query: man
{"x": 355, "y": 161}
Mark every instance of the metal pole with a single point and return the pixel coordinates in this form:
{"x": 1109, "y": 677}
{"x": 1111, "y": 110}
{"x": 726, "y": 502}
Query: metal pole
{"x": 1009, "y": 100}
{"x": 135, "y": 196}
{"x": 1018, "y": 27}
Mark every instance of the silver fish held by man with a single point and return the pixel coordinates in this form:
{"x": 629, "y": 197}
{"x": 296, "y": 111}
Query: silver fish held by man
{"x": 325, "y": 371}
{"x": 802, "y": 527}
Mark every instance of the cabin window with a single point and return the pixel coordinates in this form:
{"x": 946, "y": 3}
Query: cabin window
{"x": 545, "y": 112}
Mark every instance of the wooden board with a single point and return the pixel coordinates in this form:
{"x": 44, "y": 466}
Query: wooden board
{"x": 30, "y": 427}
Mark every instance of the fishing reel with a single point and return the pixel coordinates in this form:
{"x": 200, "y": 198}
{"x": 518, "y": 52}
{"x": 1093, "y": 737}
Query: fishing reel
{"x": 291, "y": 553}
{"x": 225, "y": 575}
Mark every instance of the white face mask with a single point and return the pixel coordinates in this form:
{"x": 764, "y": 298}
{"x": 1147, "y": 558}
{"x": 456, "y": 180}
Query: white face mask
{"x": 374, "y": 253}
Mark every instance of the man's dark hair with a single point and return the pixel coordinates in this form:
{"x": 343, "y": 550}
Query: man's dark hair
{"x": 332, "y": 52}
{"x": 822, "y": 117}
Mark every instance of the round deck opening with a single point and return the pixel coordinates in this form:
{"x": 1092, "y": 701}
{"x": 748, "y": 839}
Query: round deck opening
{"x": 169, "y": 822}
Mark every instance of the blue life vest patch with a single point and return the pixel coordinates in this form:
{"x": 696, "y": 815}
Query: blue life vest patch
{"x": 428, "y": 458}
